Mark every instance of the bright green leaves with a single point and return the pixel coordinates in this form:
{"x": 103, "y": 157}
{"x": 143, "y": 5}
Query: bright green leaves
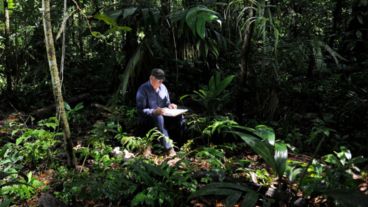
{"x": 197, "y": 17}
{"x": 2, "y": 9}
{"x": 266, "y": 133}
{"x": 262, "y": 141}
{"x": 280, "y": 157}
{"x": 110, "y": 18}
{"x": 10, "y": 5}
{"x": 213, "y": 96}
{"x": 194, "y": 25}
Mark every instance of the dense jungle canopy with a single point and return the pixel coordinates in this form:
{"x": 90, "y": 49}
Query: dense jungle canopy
{"x": 277, "y": 92}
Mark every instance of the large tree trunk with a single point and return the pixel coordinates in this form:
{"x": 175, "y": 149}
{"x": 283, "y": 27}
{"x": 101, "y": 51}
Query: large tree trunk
{"x": 56, "y": 86}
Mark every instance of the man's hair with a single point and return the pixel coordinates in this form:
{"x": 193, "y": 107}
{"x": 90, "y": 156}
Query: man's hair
{"x": 158, "y": 73}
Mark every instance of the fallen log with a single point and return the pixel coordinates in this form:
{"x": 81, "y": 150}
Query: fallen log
{"x": 48, "y": 109}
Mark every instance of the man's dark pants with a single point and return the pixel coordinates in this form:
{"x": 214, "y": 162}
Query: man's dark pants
{"x": 172, "y": 127}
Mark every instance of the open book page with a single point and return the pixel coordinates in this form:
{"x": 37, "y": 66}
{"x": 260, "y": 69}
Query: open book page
{"x": 174, "y": 112}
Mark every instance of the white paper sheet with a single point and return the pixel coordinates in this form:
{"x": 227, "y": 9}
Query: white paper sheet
{"x": 174, "y": 112}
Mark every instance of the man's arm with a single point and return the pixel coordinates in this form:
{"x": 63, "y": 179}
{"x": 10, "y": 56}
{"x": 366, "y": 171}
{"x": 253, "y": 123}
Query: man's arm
{"x": 141, "y": 101}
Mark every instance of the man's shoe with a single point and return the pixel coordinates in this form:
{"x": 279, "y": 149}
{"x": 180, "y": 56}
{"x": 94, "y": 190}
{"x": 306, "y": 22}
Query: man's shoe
{"x": 147, "y": 152}
{"x": 171, "y": 152}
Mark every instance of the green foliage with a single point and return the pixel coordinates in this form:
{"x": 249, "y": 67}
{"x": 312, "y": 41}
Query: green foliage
{"x": 127, "y": 117}
{"x": 196, "y": 124}
{"x": 112, "y": 184}
{"x": 11, "y": 158}
{"x": 348, "y": 198}
{"x": 197, "y": 17}
{"x": 160, "y": 184}
{"x": 10, "y": 5}
{"x": 262, "y": 140}
{"x": 51, "y": 123}
{"x": 37, "y": 144}
{"x": 110, "y": 18}
{"x": 5, "y": 202}
{"x": 138, "y": 143}
{"x": 234, "y": 193}
{"x": 138, "y": 181}
{"x": 131, "y": 69}
{"x": 219, "y": 125}
{"x": 293, "y": 171}
{"x": 215, "y": 157}
{"x": 74, "y": 114}
{"x": 104, "y": 131}
{"x": 17, "y": 187}
{"x": 192, "y": 26}
{"x": 334, "y": 177}
{"x": 213, "y": 96}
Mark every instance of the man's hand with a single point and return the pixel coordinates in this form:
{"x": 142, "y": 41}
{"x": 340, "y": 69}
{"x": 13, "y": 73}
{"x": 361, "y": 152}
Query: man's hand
{"x": 172, "y": 106}
{"x": 158, "y": 111}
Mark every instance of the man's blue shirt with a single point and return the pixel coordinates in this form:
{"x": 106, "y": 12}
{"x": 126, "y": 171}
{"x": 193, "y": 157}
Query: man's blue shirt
{"x": 148, "y": 99}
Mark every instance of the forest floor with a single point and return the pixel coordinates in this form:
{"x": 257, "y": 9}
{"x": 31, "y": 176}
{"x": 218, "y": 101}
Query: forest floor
{"x": 254, "y": 171}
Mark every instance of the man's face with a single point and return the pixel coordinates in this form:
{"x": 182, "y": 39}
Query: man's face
{"x": 155, "y": 82}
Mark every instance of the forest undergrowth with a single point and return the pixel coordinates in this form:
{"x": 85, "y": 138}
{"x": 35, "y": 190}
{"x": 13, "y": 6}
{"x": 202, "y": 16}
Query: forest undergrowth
{"x": 221, "y": 163}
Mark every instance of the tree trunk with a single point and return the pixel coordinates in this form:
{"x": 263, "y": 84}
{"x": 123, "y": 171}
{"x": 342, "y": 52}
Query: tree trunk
{"x": 245, "y": 49}
{"x": 165, "y": 8}
{"x": 8, "y": 65}
{"x": 56, "y": 86}
{"x": 80, "y": 36}
{"x": 337, "y": 16}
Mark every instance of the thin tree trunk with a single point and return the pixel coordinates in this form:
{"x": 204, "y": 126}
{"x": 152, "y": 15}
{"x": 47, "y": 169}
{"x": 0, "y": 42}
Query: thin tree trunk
{"x": 63, "y": 45}
{"x": 8, "y": 65}
{"x": 244, "y": 59}
{"x": 311, "y": 64}
{"x": 337, "y": 16}
{"x": 56, "y": 86}
{"x": 80, "y": 36}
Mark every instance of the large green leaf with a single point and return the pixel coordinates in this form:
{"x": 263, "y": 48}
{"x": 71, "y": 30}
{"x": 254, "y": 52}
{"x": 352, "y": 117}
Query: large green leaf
{"x": 250, "y": 199}
{"x": 105, "y": 18}
{"x": 197, "y": 17}
{"x": 231, "y": 200}
{"x": 191, "y": 19}
{"x": 222, "y": 85}
{"x": 130, "y": 70}
{"x": 274, "y": 156}
{"x": 261, "y": 147}
{"x": 266, "y": 133}
{"x": 228, "y": 186}
{"x": 232, "y": 191}
{"x": 110, "y": 19}
{"x": 200, "y": 26}
{"x": 202, "y": 18}
{"x": 348, "y": 198}
{"x": 129, "y": 11}
{"x": 281, "y": 155}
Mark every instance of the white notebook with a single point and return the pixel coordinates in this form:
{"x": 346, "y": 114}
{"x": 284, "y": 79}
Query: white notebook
{"x": 174, "y": 112}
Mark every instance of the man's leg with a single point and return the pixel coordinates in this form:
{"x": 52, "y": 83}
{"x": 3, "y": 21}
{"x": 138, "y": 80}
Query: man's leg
{"x": 176, "y": 127}
{"x": 160, "y": 123}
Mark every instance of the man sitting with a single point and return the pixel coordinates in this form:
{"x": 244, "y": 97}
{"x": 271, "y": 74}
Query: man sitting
{"x": 151, "y": 99}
